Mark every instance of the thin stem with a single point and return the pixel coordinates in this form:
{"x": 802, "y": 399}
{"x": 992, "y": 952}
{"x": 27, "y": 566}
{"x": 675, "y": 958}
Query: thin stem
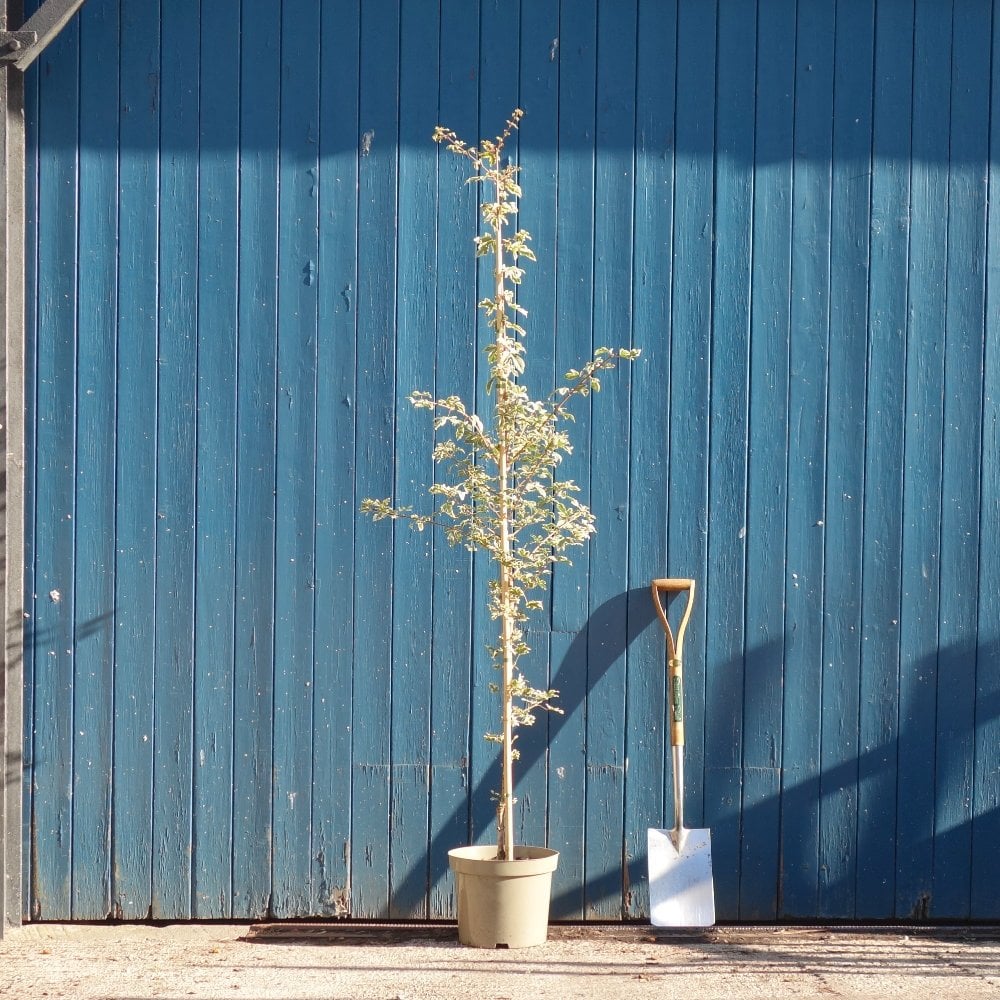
{"x": 505, "y": 824}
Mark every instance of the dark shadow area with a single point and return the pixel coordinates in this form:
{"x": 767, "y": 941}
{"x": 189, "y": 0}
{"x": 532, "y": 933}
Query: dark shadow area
{"x": 567, "y": 57}
{"x": 593, "y": 650}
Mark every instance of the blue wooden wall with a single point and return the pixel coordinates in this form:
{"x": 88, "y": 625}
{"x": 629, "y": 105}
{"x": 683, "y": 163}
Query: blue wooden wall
{"x": 243, "y": 699}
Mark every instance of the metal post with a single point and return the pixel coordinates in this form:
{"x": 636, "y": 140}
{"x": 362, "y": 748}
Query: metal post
{"x": 12, "y": 248}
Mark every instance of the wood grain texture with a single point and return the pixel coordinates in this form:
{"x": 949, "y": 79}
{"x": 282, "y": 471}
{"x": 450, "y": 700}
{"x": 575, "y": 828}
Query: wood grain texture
{"x": 454, "y": 372}
{"x": 645, "y": 707}
{"x": 728, "y": 452}
{"x": 256, "y": 459}
{"x": 245, "y": 251}
{"x": 850, "y": 210}
{"x": 216, "y": 478}
{"x": 986, "y": 802}
{"x": 336, "y": 499}
{"x": 95, "y": 477}
{"x": 887, "y": 310}
{"x": 767, "y": 479}
{"x": 176, "y": 529}
{"x": 573, "y": 340}
{"x": 135, "y": 465}
{"x": 295, "y": 496}
{"x": 807, "y": 433}
{"x": 375, "y": 455}
{"x": 52, "y": 625}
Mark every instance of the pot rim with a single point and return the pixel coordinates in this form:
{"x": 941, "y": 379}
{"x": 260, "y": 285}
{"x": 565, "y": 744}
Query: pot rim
{"x": 480, "y": 859}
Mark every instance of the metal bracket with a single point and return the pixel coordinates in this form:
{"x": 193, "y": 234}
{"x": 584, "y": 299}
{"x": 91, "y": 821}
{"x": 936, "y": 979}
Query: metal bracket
{"x": 13, "y": 44}
{"x": 21, "y": 48}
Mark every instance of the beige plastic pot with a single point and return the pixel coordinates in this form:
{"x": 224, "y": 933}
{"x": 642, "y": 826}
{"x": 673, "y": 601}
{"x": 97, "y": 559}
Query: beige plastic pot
{"x": 503, "y": 904}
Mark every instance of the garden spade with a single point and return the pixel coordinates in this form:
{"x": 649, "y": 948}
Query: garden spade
{"x": 681, "y": 893}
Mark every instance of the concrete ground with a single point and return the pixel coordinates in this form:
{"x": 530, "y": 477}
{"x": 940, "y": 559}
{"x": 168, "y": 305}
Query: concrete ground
{"x": 424, "y": 962}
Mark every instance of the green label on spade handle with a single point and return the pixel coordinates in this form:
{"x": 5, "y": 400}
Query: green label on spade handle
{"x": 676, "y": 698}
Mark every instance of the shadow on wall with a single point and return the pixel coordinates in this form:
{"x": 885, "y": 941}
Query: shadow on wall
{"x": 268, "y": 41}
{"x": 898, "y": 814}
{"x": 636, "y": 608}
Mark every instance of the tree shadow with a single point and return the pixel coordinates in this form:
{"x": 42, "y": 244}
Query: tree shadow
{"x": 593, "y": 656}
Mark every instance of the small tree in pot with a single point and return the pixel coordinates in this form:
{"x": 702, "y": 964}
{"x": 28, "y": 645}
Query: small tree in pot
{"x": 503, "y": 495}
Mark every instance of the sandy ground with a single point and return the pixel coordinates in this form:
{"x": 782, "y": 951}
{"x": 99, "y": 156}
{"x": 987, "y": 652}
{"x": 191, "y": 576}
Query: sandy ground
{"x": 358, "y": 962}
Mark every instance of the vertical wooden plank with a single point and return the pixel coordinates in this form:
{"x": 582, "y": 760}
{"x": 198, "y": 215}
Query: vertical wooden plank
{"x": 499, "y": 31}
{"x": 800, "y": 778}
{"x": 986, "y": 790}
{"x": 539, "y": 96}
{"x": 409, "y": 779}
{"x": 336, "y": 500}
{"x": 729, "y": 429}
{"x": 135, "y": 480}
{"x": 30, "y": 83}
{"x": 454, "y": 372}
{"x": 842, "y": 516}
{"x": 771, "y": 246}
{"x": 931, "y": 33}
{"x": 574, "y": 324}
{"x": 95, "y": 473}
{"x": 881, "y": 556}
{"x": 956, "y": 696}
{"x": 58, "y": 178}
{"x": 176, "y": 368}
{"x": 645, "y": 705}
{"x": 294, "y": 612}
{"x": 215, "y": 552}
{"x": 609, "y": 465}
{"x": 256, "y": 457}
{"x": 377, "y": 221}
{"x": 690, "y": 351}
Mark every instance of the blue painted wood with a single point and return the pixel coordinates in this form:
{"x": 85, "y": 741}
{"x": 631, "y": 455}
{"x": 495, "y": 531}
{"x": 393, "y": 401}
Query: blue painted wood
{"x": 729, "y": 440}
{"x": 880, "y": 608}
{"x": 53, "y": 619}
{"x": 573, "y": 343}
{"x": 960, "y": 521}
{"x": 336, "y": 501}
{"x": 609, "y": 465}
{"x": 374, "y": 598}
{"x": 986, "y": 779}
{"x": 255, "y": 460}
{"x": 295, "y": 512}
{"x": 270, "y": 706}
{"x": 254, "y": 562}
{"x": 645, "y": 708}
{"x": 455, "y": 303}
{"x": 924, "y": 434}
{"x": 413, "y": 576}
{"x": 771, "y": 243}
{"x": 175, "y": 528}
{"x": 690, "y": 353}
{"x": 808, "y": 360}
{"x": 842, "y": 514}
{"x": 215, "y": 530}
{"x": 135, "y": 466}
{"x": 95, "y": 475}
